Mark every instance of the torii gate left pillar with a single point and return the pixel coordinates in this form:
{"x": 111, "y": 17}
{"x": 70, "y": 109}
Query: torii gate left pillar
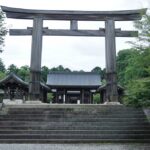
{"x": 36, "y": 53}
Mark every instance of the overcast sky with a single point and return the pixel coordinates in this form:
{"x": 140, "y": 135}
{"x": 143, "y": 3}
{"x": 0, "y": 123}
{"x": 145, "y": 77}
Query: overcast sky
{"x": 75, "y": 53}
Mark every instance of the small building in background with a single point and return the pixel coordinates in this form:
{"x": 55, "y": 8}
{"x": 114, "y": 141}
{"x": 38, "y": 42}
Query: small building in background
{"x": 102, "y": 91}
{"x": 15, "y": 88}
{"x": 73, "y": 87}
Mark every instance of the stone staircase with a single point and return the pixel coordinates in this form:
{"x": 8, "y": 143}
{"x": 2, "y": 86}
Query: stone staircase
{"x": 73, "y": 124}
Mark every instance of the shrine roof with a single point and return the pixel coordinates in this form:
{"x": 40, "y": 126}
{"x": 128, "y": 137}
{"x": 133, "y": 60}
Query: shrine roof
{"x": 122, "y": 15}
{"x": 13, "y": 78}
{"x": 103, "y": 87}
{"x": 74, "y": 79}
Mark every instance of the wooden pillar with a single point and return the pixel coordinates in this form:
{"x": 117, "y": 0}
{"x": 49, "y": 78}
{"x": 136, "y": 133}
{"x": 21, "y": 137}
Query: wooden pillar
{"x": 56, "y": 97}
{"x": 82, "y": 97}
{"x": 36, "y": 54}
{"x": 73, "y": 25}
{"x": 111, "y": 75}
{"x": 64, "y": 96}
{"x": 91, "y": 98}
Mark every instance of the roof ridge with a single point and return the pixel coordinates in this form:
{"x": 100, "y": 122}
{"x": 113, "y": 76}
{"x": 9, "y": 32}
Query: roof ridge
{"x": 61, "y": 72}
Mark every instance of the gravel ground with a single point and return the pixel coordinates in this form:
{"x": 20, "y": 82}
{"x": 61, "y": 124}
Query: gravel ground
{"x": 74, "y": 146}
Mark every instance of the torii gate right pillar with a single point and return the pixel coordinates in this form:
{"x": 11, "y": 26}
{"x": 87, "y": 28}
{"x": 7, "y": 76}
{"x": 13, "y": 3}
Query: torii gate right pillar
{"x": 111, "y": 74}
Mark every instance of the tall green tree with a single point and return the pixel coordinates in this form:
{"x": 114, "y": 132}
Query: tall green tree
{"x": 12, "y": 68}
{"x": 2, "y": 66}
{"x": 44, "y": 73}
{"x": 100, "y": 71}
{"x": 143, "y": 26}
{"x": 23, "y": 72}
{"x": 3, "y": 30}
{"x": 60, "y": 68}
{"x": 134, "y": 66}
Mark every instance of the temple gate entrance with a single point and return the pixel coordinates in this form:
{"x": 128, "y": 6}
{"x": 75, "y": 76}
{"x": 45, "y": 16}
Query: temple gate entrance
{"x": 109, "y": 32}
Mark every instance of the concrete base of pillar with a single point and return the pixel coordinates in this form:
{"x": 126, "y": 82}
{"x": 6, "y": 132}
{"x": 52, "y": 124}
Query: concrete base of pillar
{"x": 33, "y": 102}
{"x": 12, "y": 102}
{"x": 112, "y": 103}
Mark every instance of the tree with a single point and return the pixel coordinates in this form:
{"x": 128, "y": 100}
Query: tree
{"x": 60, "y": 68}
{"x": 143, "y": 26}
{"x": 50, "y": 97}
{"x": 138, "y": 93}
{"x": 99, "y": 71}
{"x": 134, "y": 66}
{"x": 96, "y": 98}
{"x": 3, "y": 30}
{"x": 2, "y": 66}
{"x": 24, "y": 72}
{"x": 67, "y": 70}
{"x": 44, "y": 73}
{"x": 128, "y": 66}
{"x": 12, "y": 68}
{"x": 2, "y": 75}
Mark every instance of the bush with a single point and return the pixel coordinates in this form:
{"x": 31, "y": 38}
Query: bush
{"x": 49, "y": 97}
{"x": 138, "y": 93}
{"x": 96, "y": 98}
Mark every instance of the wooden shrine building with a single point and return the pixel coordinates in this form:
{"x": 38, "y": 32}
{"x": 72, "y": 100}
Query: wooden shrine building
{"x": 74, "y": 87}
{"x": 15, "y": 88}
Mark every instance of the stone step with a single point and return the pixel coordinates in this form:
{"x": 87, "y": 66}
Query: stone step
{"x": 71, "y": 107}
{"x": 74, "y": 110}
{"x": 75, "y": 123}
{"x": 73, "y": 119}
{"x": 71, "y": 141}
{"x": 72, "y": 116}
{"x": 123, "y": 114}
{"x": 87, "y": 127}
{"x": 74, "y": 136}
{"x": 75, "y": 132}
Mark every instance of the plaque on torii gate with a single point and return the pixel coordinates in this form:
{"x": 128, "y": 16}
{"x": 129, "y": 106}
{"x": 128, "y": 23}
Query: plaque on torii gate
{"x": 109, "y": 32}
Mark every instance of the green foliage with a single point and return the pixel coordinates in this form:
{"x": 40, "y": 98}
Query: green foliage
{"x": 99, "y": 71}
{"x": 23, "y": 72}
{"x": 134, "y": 67}
{"x": 12, "y": 68}
{"x": 60, "y": 68}
{"x": 144, "y": 32}
{"x": 133, "y": 64}
{"x": 138, "y": 93}
{"x": 2, "y": 75}
{"x": 96, "y": 98}
{"x": 2, "y": 66}
{"x": 49, "y": 97}
{"x": 3, "y": 30}
{"x": 44, "y": 73}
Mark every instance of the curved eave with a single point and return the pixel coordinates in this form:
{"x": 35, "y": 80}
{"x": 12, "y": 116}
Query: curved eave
{"x": 16, "y": 79}
{"x": 44, "y": 86}
{"x": 124, "y": 15}
{"x": 74, "y": 86}
{"x": 103, "y": 87}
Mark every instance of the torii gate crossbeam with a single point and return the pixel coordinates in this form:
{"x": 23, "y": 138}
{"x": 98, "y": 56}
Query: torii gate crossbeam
{"x": 109, "y": 32}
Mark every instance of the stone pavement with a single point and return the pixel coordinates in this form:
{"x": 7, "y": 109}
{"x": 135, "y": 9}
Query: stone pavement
{"x": 74, "y": 146}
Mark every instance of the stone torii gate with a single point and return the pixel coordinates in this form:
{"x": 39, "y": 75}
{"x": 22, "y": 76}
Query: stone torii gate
{"x": 109, "y": 32}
